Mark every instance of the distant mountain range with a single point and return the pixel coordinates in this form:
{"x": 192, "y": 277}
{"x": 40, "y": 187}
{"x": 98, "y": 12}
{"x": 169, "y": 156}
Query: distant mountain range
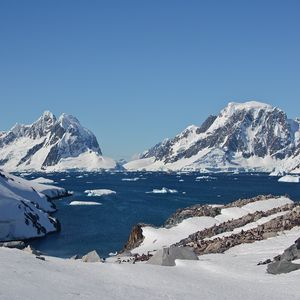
{"x": 250, "y": 136}
{"x": 51, "y": 144}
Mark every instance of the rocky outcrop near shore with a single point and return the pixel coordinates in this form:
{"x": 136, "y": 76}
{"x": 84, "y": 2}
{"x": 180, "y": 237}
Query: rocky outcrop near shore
{"x": 209, "y": 229}
{"x": 208, "y": 210}
{"x": 267, "y": 230}
{"x": 135, "y": 237}
{"x": 197, "y": 210}
{"x": 231, "y": 225}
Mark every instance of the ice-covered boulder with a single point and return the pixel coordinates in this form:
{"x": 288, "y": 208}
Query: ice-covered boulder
{"x": 92, "y": 256}
{"x": 167, "y": 256}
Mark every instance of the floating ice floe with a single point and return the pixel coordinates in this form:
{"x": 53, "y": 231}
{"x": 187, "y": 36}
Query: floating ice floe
{"x": 131, "y": 179}
{"x": 164, "y": 190}
{"x": 43, "y": 180}
{"x": 289, "y": 178}
{"x": 99, "y": 192}
{"x": 85, "y": 203}
{"x": 205, "y": 177}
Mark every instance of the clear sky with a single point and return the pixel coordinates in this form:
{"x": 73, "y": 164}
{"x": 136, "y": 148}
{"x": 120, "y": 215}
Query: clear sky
{"x": 136, "y": 72}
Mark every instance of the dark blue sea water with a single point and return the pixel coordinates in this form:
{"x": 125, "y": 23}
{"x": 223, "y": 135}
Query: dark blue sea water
{"x": 106, "y": 227}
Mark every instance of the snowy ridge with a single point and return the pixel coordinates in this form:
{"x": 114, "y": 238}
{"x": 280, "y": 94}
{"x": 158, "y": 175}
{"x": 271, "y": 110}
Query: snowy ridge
{"x": 51, "y": 144}
{"x": 24, "y": 208}
{"x": 250, "y": 136}
{"x": 157, "y": 238}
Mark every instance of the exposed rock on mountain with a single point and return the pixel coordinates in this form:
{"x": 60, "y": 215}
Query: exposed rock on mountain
{"x": 244, "y": 136}
{"x": 51, "y": 144}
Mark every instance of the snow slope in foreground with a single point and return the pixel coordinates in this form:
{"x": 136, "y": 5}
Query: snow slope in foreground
{"x": 24, "y": 208}
{"x": 233, "y": 275}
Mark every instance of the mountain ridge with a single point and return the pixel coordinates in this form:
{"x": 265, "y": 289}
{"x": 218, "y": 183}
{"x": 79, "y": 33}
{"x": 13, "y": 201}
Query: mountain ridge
{"x": 52, "y": 144}
{"x": 249, "y": 136}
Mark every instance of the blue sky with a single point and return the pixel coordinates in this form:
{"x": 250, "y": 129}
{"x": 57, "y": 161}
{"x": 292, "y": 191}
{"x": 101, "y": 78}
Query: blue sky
{"x": 135, "y": 72}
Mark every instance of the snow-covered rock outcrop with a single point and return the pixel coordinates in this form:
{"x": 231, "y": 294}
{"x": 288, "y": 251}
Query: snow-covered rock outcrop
{"x": 193, "y": 226}
{"x": 51, "y": 144}
{"x": 244, "y": 136}
{"x": 24, "y": 208}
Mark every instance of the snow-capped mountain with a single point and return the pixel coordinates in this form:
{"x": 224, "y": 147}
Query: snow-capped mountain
{"x": 250, "y": 136}
{"x": 51, "y": 144}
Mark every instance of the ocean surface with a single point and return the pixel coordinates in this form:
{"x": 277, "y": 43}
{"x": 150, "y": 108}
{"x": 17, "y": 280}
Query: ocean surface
{"x": 106, "y": 227}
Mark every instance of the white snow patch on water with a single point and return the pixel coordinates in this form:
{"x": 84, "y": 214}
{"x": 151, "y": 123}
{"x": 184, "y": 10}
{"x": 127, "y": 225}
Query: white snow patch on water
{"x": 163, "y": 190}
{"x": 85, "y": 203}
{"x": 205, "y": 178}
{"x": 131, "y": 179}
{"x": 289, "y": 178}
{"x": 99, "y": 192}
{"x": 42, "y": 180}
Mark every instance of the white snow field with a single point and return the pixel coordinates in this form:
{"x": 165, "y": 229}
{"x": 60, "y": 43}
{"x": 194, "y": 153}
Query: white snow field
{"x": 24, "y": 208}
{"x": 99, "y": 192}
{"x": 232, "y": 275}
{"x": 157, "y": 238}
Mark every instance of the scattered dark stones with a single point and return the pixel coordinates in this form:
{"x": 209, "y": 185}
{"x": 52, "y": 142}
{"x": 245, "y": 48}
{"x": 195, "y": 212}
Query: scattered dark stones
{"x": 232, "y": 224}
{"x": 40, "y": 258}
{"x": 274, "y": 226}
{"x": 14, "y": 244}
{"x": 265, "y": 262}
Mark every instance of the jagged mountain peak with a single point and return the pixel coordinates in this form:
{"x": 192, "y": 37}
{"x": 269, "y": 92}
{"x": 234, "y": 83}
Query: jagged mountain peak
{"x": 67, "y": 120}
{"x": 51, "y": 143}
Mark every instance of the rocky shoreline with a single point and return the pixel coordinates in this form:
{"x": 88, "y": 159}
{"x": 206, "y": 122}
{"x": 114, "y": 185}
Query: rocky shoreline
{"x": 225, "y": 235}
